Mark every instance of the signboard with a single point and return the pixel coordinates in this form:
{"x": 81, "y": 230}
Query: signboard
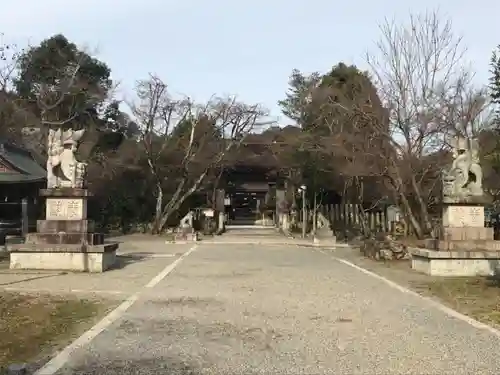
{"x": 208, "y": 213}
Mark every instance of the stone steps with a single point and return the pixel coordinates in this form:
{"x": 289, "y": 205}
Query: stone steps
{"x": 251, "y": 231}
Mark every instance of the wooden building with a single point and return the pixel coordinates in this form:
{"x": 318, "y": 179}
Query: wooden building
{"x": 21, "y": 178}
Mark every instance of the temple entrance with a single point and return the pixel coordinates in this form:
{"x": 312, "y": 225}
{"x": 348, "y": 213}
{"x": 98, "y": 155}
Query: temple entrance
{"x": 245, "y": 206}
{"x": 248, "y": 193}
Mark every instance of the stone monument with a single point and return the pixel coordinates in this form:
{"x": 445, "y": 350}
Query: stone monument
{"x": 464, "y": 246}
{"x": 66, "y": 239}
{"x": 324, "y": 234}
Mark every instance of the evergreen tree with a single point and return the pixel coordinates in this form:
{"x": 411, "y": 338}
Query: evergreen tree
{"x": 495, "y": 81}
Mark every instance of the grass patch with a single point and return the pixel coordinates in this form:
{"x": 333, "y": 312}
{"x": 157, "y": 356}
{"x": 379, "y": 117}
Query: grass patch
{"x": 478, "y": 297}
{"x": 31, "y": 324}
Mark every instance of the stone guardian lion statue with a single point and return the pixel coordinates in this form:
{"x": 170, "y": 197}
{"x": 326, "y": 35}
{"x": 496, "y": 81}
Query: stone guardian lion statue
{"x": 63, "y": 170}
{"x": 464, "y": 179}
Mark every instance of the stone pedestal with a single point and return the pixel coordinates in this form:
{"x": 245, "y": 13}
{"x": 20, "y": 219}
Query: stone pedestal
{"x": 324, "y": 233}
{"x": 66, "y": 239}
{"x": 464, "y": 247}
{"x": 455, "y": 263}
{"x": 463, "y": 216}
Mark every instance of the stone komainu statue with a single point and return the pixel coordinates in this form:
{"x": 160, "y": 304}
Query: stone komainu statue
{"x": 63, "y": 170}
{"x": 464, "y": 179}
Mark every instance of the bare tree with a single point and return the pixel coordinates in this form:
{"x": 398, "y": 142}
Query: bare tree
{"x": 422, "y": 79}
{"x": 14, "y": 116}
{"x": 58, "y": 101}
{"x": 192, "y": 139}
{"x": 9, "y": 57}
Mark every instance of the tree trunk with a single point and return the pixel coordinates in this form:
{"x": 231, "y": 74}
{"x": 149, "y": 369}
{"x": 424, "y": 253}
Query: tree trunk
{"x": 214, "y": 190}
{"x": 177, "y": 199}
{"x": 409, "y": 213}
{"x": 397, "y": 185}
{"x": 363, "y": 218}
{"x": 159, "y": 203}
{"x": 315, "y": 213}
{"x": 171, "y": 206}
{"x": 423, "y": 206}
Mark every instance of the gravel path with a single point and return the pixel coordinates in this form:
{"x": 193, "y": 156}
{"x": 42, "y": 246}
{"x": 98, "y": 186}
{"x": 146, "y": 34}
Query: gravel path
{"x": 255, "y": 309}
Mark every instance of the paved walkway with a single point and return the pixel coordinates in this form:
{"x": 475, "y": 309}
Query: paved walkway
{"x": 251, "y": 309}
{"x": 140, "y": 260}
{"x": 259, "y": 309}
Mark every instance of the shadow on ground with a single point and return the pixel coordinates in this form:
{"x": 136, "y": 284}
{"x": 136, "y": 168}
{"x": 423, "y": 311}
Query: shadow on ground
{"x": 164, "y": 365}
{"x": 32, "y": 279}
{"x": 493, "y": 281}
{"x": 125, "y": 260}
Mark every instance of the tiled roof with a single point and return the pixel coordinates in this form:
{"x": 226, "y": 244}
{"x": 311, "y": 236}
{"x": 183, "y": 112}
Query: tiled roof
{"x": 25, "y": 167}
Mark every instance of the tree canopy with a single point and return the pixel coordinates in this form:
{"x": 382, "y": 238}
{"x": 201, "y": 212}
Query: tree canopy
{"x": 67, "y": 84}
{"x": 494, "y": 84}
{"x": 370, "y": 136}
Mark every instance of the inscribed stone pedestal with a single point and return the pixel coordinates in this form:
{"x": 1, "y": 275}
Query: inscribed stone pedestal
{"x": 65, "y": 240}
{"x": 66, "y": 209}
{"x": 463, "y": 216}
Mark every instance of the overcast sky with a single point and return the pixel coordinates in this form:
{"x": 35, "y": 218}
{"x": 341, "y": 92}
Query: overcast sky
{"x": 246, "y": 48}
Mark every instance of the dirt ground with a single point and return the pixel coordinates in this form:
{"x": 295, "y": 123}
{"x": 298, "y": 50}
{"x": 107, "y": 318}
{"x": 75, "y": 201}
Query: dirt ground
{"x": 31, "y": 324}
{"x": 42, "y": 311}
{"x": 477, "y": 297}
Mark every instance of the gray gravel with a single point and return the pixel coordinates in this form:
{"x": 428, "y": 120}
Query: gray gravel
{"x": 244, "y": 309}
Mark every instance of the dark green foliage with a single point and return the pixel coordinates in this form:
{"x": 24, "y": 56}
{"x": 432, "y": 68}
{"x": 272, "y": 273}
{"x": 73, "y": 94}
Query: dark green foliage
{"x": 300, "y": 88}
{"x": 495, "y": 80}
{"x": 113, "y": 119}
{"x": 126, "y": 200}
{"x": 342, "y": 94}
{"x": 63, "y": 85}
{"x": 490, "y": 139}
{"x": 336, "y": 112}
{"x": 64, "y": 81}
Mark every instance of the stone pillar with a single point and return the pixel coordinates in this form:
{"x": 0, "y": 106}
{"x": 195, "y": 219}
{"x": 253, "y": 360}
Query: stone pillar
{"x": 280, "y": 199}
{"x": 66, "y": 239}
{"x": 282, "y": 210}
{"x": 24, "y": 217}
{"x": 220, "y": 207}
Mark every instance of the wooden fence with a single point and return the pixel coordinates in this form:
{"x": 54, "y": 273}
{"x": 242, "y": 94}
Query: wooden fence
{"x": 349, "y": 217}
{"x": 18, "y": 217}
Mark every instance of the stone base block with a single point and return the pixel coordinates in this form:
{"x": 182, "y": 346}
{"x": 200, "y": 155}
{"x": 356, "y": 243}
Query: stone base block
{"x": 189, "y": 237}
{"x": 455, "y": 263}
{"x": 69, "y": 226}
{"x": 467, "y": 233}
{"x": 325, "y": 241}
{"x": 65, "y": 238}
{"x": 65, "y": 192}
{"x": 77, "y": 262}
{"x": 64, "y": 258}
{"x": 470, "y": 245}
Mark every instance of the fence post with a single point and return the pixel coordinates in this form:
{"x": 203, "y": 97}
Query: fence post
{"x": 24, "y": 217}
{"x": 372, "y": 221}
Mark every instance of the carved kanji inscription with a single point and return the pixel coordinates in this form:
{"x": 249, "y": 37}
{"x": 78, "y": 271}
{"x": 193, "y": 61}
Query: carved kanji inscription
{"x": 64, "y": 209}
{"x": 464, "y": 216}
